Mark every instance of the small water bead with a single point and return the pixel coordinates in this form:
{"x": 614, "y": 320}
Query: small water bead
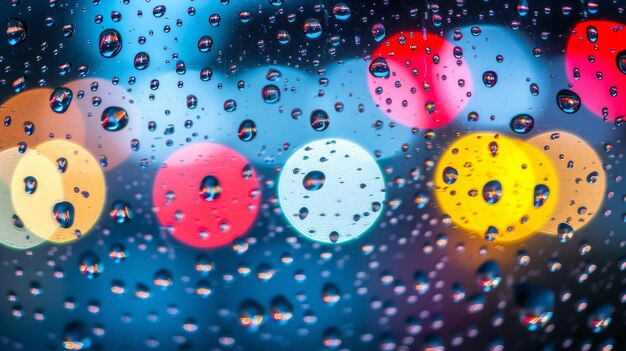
{"x": 312, "y": 28}
{"x": 534, "y": 89}
{"x": 251, "y": 315}
{"x": 30, "y": 185}
{"x": 593, "y": 177}
{"x": 592, "y": 34}
{"x": 210, "y": 189}
{"x": 110, "y": 43}
{"x": 121, "y": 211}
{"x": 491, "y": 233}
{"x": 283, "y": 37}
{"x": 565, "y": 232}
{"x": 230, "y": 105}
{"x": 490, "y": 79}
{"x": 63, "y": 212}
{"x": 163, "y": 279}
{"x": 378, "y": 31}
{"x": 205, "y": 44}
{"x": 159, "y": 11}
{"x": 522, "y": 124}
{"x": 247, "y": 130}
{"x": 16, "y": 31}
{"x": 568, "y": 101}
{"x": 60, "y": 99}
{"x": 114, "y": 118}
{"x": 62, "y": 164}
{"x": 492, "y": 192}
{"x": 330, "y": 294}
{"x": 270, "y": 94}
{"x": 118, "y": 253}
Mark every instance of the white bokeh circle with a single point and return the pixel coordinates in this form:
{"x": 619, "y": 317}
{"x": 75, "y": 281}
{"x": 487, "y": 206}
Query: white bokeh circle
{"x": 350, "y": 199}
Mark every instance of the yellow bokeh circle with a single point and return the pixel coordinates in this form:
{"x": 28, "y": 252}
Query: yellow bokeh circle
{"x": 81, "y": 184}
{"x": 464, "y": 186}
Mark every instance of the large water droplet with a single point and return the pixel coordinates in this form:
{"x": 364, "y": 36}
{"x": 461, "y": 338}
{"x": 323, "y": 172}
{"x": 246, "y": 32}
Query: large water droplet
{"x": 490, "y": 79}
{"x": 542, "y": 192}
{"x": 450, "y": 175}
{"x": 379, "y": 68}
{"x": 564, "y": 232}
{"x": 210, "y": 188}
{"x": 64, "y": 214}
{"x": 341, "y": 11}
{"x": 620, "y": 59}
{"x": 330, "y": 294}
{"x": 114, "y": 118}
{"x": 522, "y": 124}
{"x": 568, "y": 101}
{"x": 121, "y": 212}
{"x": 16, "y": 31}
{"x": 593, "y": 177}
{"x": 247, "y": 130}
{"x": 600, "y": 318}
{"x": 535, "y": 304}
{"x": 30, "y": 185}
{"x": 251, "y": 315}
{"x": 141, "y": 61}
{"x": 488, "y": 275}
{"x": 314, "y": 180}
{"x": 592, "y": 34}
{"x": 60, "y": 99}
{"x": 492, "y": 192}
{"x": 312, "y": 28}
{"x": 270, "y": 94}
{"x": 90, "y": 265}
{"x": 110, "y": 43}
{"x": 319, "y": 120}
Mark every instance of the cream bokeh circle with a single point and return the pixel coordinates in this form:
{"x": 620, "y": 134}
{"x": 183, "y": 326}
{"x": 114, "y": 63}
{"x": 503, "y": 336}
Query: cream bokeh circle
{"x": 573, "y": 160}
{"x": 11, "y": 235}
{"x": 82, "y": 184}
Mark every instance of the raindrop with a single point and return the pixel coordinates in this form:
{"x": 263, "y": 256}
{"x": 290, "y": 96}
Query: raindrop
{"x": 314, "y": 180}
{"x": 63, "y": 212}
{"x": 30, "y": 185}
{"x": 60, "y": 99}
{"x": 450, "y": 175}
{"x": 312, "y": 28}
{"x": 522, "y": 124}
{"x": 542, "y": 192}
{"x": 490, "y": 78}
{"x": 379, "y": 68}
{"x": 270, "y": 94}
{"x": 114, "y": 118}
{"x": 121, "y": 212}
{"x": 210, "y": 188}
{"x": 488, "y": 275}
{"x": 492, "y": 192}
{"x": 15, "y": 31}
{"x": 535, "y": 304}
{"x": 247, "y": 130}
{"x": 110, "y": 43}
{"x": 319, "y": 120}
{"x": 568, "y": 101}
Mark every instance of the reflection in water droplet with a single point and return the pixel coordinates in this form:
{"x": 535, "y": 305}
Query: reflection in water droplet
{"x": 247, "y": 130}
{"x": 535, "y": 304}
{"x": 600, "y": 318}
{"x": 210, "y": 188}
{"x": 592, "y": 34}
{"x": 620, "y": 59}
{"x": 281, "y": 310}
{"x": 15, "y": 31}
{"x": 114, "y": 118}
{"x": 522, "y": 124}
{"x": 60, "y": 99}
{"x": 490, "y": 79}
{"x": 270, "y": 94}
{"x": 314, "y": 180}
{"x": 121, "y": 212}
{"x": 319, "y": 120}
{"x": 341, "y": 11}
{"x": 488, "y": 275}
{"x": 312, "y": 28}
{"x": 330, "y": 294}
{"x": 493, "y": 148}
{"x": 542, "y": 192}
{"x": 64, "y": 214}
{"x": 491, "y": 234}
{"x": 379, "y": 68}
{"x": 251, "y": 315}
{"x": 90, "y": 265}
{"x": 450, "y": 175}
{"x": 303, "y": 213}
{"x": 141, "y": 61}
{"x": 593, "y": 177}
{"x": 492, "y": 192}
{"x": 568, "y": 101}
{"x": 30, "y": 185}
{"x": 564, "y": 232}
{"x": 110, "y": 43}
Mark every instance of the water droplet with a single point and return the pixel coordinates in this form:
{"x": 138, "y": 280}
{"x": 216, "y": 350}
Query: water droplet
{"x": 16, "y": 31}
{"x": 341, "y": 11}
{"x": 379, "y": 68}
{"x": 210, "y": 188}
{"x": 303, "y": 213}
{"x": 492, "y": 192}
{"x": 110, "y": 43}
{"x": 60, "y": 99}
{"x": 542, "y": 192}
{"x": 490, "y": 79}
{"x": 251, "y": 315}
{"x": 205, "y": 44}
{"x": 281, "y": 310}
{"x": 90, "y": 265}
{"x": 270, "y": 94}
{"x": 488, "y": 275}
{"x": 592, "y": 34}
{"x": 314, "y": 180}
{"x": 312, "y": 28}
{"x": 63, "y": 212}
{"x": 620, "y": 59}
{"x": 493, "y": 148}
{"x": 120, "y": 211}
{"x": 568, "y": 101}
{"x": 522, "y": 124}
{"x": 247, "y": 130}
{"x": 141, "y": 61}
{"x": 319, "y": 120}
{"x": 564, "y": 232}
{"x": 378, "y": 32}
{"x": 330, "y": 294}
{"x": 30, "y": 185}
{"x": 593, "y": 177}
{"x": 600, "y": 318}
{"x": 114, "y": 118}
{"x": 491, "y": 233}
{"x": 163, "y": 279}
{"x": 535, "y": 304}
{"x": 450, "y": 175}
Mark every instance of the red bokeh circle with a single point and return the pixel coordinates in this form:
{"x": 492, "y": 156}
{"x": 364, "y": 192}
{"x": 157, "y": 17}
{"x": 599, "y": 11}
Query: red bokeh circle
{"x": 592, "y": 51}
{"x": 190, "y": 218}
{"x": 423, "y": 70}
